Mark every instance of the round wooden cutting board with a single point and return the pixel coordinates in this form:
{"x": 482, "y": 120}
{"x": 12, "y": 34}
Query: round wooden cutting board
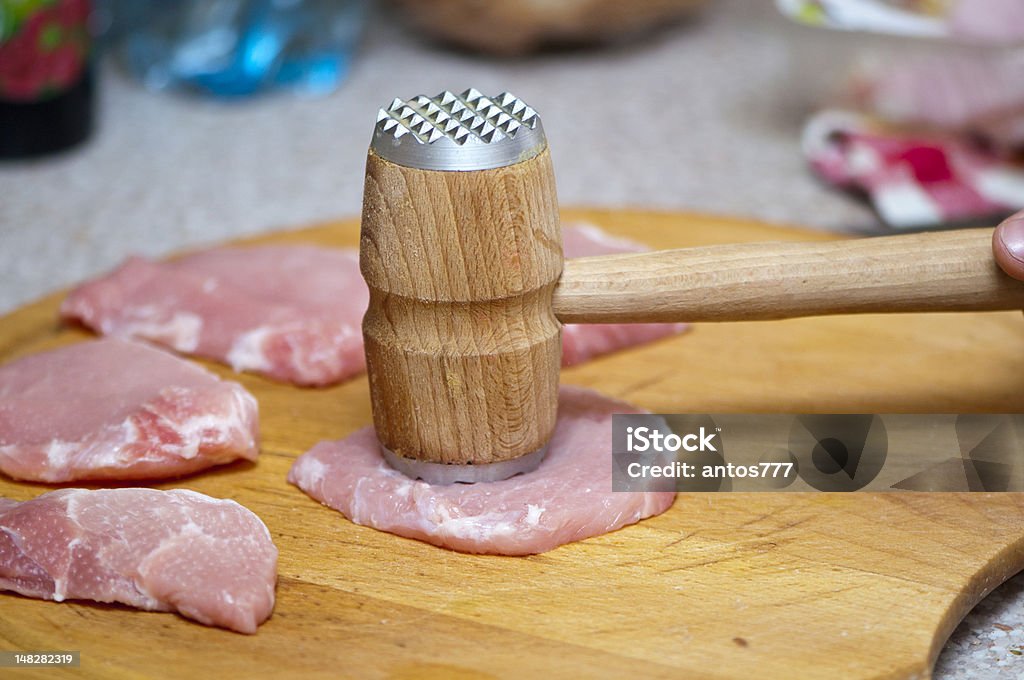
{"x": 724, "y": 586}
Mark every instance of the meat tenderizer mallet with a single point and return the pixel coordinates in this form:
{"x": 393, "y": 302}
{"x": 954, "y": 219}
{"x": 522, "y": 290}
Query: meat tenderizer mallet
{"x": 461, "y": 249}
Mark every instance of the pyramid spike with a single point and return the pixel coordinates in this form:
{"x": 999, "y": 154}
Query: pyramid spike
{"x": 471, "y": 119}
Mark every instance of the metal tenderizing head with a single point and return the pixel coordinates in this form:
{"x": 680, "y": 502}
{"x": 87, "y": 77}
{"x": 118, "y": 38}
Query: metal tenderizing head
{"x": 467, "y": 131}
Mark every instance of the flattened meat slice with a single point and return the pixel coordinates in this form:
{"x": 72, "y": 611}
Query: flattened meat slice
{"x": 290, "y": 312}
{"x": 112, "y": 409}
{"x": 208, "y": 559}
{"x": 568, "y": 498}
{"x": 582, "y": 342}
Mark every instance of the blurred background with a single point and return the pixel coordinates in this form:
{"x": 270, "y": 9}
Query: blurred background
{"x": 149, "y": 126}
{"x": 217, "y": 118}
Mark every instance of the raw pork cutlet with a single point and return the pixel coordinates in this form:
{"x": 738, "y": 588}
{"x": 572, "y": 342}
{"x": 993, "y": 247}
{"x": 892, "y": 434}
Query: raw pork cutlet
{"x": 568, "y": 498}
{"x": 290, "y": 312}
{"x": 582, "y": 342}
{"x": 208, "y": 559}
{"x": 113, "y": 409}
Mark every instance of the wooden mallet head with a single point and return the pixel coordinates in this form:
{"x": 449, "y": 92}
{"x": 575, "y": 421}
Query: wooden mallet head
{"x": 461, "y": 248}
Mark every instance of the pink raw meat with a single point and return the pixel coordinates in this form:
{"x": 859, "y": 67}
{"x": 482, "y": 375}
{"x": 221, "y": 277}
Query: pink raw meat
{"x": 112, "y": 409}
{"x": 584, "y": 342}
{"x": 208, "y": 559}
{"x": 291, "y": 312}
{"x": 568, "y": 498}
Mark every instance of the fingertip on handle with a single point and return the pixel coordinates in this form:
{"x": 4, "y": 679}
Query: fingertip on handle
{"x": 1008, "y": 246}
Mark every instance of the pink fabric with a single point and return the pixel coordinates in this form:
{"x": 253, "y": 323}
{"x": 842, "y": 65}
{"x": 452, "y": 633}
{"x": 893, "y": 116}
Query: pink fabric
{"x": 990, "y": 21}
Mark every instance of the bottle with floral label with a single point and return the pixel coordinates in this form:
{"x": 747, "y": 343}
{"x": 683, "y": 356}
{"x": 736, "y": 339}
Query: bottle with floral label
{"x": 46, "y": 79}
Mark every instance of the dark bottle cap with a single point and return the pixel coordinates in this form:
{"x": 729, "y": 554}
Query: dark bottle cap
{"x": 42, "y": 127}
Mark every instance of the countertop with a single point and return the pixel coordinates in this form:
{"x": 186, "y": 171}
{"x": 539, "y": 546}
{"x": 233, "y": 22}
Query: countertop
{"x": 704, "y": 116}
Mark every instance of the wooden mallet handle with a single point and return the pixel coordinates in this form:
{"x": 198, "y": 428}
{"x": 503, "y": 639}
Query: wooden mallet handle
{"x": 928, "y": 272}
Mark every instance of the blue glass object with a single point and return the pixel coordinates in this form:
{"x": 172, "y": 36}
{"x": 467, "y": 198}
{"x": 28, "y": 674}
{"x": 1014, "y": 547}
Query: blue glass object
{"x": 237, "y": 48}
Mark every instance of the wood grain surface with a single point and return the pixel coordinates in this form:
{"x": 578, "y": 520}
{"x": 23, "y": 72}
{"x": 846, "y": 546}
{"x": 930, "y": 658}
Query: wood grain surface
{"x": 721, "y": 586}
{"x": 951, "y": 271}
{"x": 459, "y": 330}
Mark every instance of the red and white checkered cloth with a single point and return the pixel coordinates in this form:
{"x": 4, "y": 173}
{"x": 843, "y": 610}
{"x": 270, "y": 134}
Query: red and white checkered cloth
{"x": 932, "y": 139}
{"x": 913, "y": 179}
